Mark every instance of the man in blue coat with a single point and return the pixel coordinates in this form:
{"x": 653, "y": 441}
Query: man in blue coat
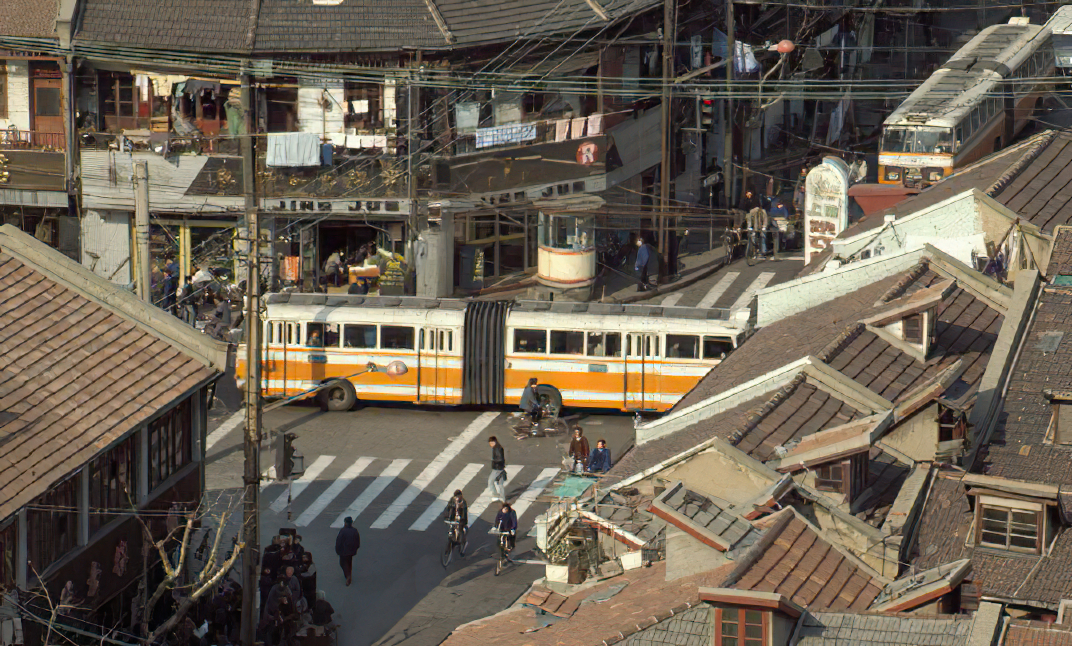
{"x": 643, "y": 256}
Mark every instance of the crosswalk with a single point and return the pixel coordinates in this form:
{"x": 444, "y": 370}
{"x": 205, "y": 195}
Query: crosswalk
{"x": 396, "y": 493}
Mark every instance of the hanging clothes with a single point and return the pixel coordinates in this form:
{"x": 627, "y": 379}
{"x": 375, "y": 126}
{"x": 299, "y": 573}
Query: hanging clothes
{"x": 562, "y": 129}
{"x": 577, "y": 129}
{"x": 293, "y": 149}
{"x": 595, "y": 125}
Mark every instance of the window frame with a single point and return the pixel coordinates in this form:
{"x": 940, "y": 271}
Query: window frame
{"x": 570, "y": 335}
{"x": 107, "y": 500}
{"x": 1010, "y": 507}
{"x": 375, "y": 336}
{"x": 56, "y": 508}
{"x": 741, "y": 614}
{"x": 170, "y": 444}
{"x": 515, "y": 339}
{"x": 412, "y": 337}
{"x": 602, "y": 336}
{"x": 916, "y": 319}
{"x": 697, "y": 338}
{"x": 717, "y": 339}
{"x": 825, "y": 479}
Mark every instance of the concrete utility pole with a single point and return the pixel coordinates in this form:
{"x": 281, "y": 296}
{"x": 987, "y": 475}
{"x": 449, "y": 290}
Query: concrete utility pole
{"x": 252, "y": 475}
{"x": 141, "y": 228}
{"x": 730, "y": 174}
{"x": 669, "y": 27}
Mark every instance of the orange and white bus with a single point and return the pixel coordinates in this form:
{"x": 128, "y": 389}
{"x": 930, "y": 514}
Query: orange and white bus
{"x": 971, "y": 106}
{"x": 629, "y": 357}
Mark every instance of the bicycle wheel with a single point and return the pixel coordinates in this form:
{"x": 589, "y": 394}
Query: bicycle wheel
{"x": 464, "y": 545}
{"x": 750, "y": 252}
{"x": 447, "y": 553}
{"x": 499, "y": 565}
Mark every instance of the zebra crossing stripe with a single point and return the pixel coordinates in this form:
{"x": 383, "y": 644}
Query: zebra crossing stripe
{"x": 439, "y": 505}
{"x": 671, "y": 300}
{"x": 332, "y": 492}
{"x": 434, "y": 468}
{"x": 372, "y": 491}
{"x": 718, "y": 289}
{"x": 302, "y": 482}
{"x": 744, "y": 300}
{"x": 525, "y": 500}
{"x": 484, "y": 500}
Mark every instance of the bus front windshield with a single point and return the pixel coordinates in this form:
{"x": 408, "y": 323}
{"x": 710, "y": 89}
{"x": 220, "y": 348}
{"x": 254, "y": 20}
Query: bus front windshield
{"x": 919, "y": 141}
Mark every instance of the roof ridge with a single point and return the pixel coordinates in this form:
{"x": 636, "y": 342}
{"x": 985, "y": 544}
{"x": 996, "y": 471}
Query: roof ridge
{"x": 899, "y": 289}
{"x": 767, "y": 408}
{"x": 840, "y": 342}
{"x": 1012, "y": 172}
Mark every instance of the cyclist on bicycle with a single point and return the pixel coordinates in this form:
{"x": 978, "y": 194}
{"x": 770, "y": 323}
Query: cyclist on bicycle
{"x": 458, "y": 510}
{"x": 757, "y": 221}
{"x": 506, "y": 523}
{"x": 530, "y": 401}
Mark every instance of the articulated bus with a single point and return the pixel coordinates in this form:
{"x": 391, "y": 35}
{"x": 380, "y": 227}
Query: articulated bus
{"x": 975, "y": 104}
{"x": 629, "y": 357}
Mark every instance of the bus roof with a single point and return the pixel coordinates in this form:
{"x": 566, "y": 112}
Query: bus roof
{"x": 968, "y": 76}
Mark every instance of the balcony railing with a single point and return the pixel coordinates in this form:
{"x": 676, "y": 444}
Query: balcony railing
{"x": 14, "y": 139}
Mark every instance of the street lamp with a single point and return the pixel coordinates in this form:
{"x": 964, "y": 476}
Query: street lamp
{"x": 393, "y": 370}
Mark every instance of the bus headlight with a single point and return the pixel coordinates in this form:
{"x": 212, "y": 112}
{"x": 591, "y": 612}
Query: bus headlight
{"x": 893, "y": 173}
{"x": 933, "y": 174}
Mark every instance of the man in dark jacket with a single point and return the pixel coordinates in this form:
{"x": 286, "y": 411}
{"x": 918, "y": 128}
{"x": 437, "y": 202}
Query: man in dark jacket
{"x": 497, "y": 477}
{"x": 578, "y": 450}
{"x": 643, "y": 257}
{"x": 346, "y": 545}
{"x": 599, "y": 460}
{"x": 530, "y": 400}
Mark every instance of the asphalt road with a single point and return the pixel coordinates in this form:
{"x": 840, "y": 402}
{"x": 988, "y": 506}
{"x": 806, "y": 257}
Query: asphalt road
{"x": 391, "y": 468}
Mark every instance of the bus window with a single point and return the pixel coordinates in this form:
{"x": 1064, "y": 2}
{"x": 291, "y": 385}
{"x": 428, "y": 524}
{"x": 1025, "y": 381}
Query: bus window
{"x": 563, "y": 342}
{"x": 960, "y": 136}
{"x": 396, "y": 337}
{"x": 359, "y": 336}
{"x": 331, "y": 335}
{"x": 604, "y": 345}
{"x": 895, "y": 140}
{"x": 446, "y": 341}
{"x": 716, "y": 347}
{"x": 314, "y": 335}
{"x": 682, "y": 346}
{"x": 269, "y": 334}
{"x": 532, "y": 341}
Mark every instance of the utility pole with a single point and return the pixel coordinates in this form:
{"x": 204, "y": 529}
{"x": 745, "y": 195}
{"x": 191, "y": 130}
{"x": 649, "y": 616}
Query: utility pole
{"x": 730, "y": 174}
{"x": 141, "y": 227}
{"x": 411, "y": 221}
{"x": 669, "y": 27}
{"x": 252, "y": 474}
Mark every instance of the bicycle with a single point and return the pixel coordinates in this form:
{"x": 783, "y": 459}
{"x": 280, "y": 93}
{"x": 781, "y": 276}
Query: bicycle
{"x": 750, "y": 251}
{"x": 549, "y": 423}
{"x": 731, "y": 240}
{"x": 454, "y": 538}
{"x": 504, "y": 550}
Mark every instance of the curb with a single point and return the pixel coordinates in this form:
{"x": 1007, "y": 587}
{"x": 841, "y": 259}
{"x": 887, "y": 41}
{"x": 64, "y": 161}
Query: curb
{"x": 673, "y": 287}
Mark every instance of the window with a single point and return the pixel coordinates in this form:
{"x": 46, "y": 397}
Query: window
{"x": 829, "y": 477}
{"x": 912, "y": 327}
{"x": 53, "y": 525}
{"x": 604, "y": 345}
{"x": 314, "y": 335}
{"x": 118, "y": 100}
{"x": 446, "y": 341}
{"x": 741, "y": 627}
{"x": 282, "y": 109}
{"x": 643, "y": 345}
{"x": 563, "y": 342}
{"x": 169, "y": 444}
{"x": 1014, "y": 529}
{"x": 47, "y": 102}
{"x": 359, "y": 336}
{"x": 716, "y": 347}
{"x": 395, "y": 337}
{"x": 111, "y": 484}
{"x": 682, "y": 346}
{"x": 8, "y": 544}
{"x": 532, "y": 341}
{"x": 951, "y": 424}
{"x": 363, "y": 105}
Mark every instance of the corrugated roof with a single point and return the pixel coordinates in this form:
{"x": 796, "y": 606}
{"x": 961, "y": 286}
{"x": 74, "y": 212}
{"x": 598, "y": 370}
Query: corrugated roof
{"x": 76, "y": 372}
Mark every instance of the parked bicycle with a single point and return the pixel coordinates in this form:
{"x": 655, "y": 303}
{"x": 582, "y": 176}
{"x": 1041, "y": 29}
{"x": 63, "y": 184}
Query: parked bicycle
{"x": 456, "y": 538}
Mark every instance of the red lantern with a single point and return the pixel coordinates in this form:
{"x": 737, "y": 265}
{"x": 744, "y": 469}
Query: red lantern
{"x": 786, "y": 46}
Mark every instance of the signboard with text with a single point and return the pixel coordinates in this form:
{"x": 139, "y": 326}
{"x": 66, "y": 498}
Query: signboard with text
{"x": 826, "y": 205}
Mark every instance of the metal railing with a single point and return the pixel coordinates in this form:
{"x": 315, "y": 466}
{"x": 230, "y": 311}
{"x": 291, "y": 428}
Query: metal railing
{"x": 15, "y": 139}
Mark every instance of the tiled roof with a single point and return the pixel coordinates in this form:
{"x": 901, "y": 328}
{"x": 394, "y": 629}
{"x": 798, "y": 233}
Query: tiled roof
{"x": 1037, "y": 189}
{"x": 707, "y": 518}
{"x": 283, "y": 26}
{"x": 75, "y": 374}
{"x": 29, "y": 18}
{"x": 190, "y": 25}
{"x": 1023, "y": 632}
{"x": 805, "y": 568}
{"x": 838, "y": 629}
{"x": 644, "y": 599}
{"x": 943, "y": 536}
{"x": 689, "y": 628}
{"x": 1018, "y": 449}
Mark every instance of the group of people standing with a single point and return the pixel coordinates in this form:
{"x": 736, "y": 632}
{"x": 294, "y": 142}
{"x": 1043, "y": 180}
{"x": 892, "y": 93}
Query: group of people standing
{"x": 289, "y": 597}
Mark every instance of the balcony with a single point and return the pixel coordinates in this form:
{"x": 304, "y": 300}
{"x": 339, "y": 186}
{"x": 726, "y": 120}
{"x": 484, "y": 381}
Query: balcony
{"x": 14, "y": 139}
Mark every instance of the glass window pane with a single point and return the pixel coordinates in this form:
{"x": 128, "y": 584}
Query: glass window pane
{"x": 1028, "y": 542}
{"x": 331, "y": 335}
{"x": 753, "y": 631}
{"x": 314, "y": 335}
{"x": 533, "y": 341}
{"x": 995, "y": 514}
{"x": 47, "y": 103}
{"x": 729, "y": 630}
{"x": 729, "y": 641}
{"x": 396, "y": 337}
{"x": 359, "y": 336}
{"x": 682, "y": 346}
{"x": 563, "y": 342}
{"x": 730, "y": 615}
{"x": 716, "y": 347}
{"x": 993, "y": 539}
{"x": 753, "y": 617}
{"x": 1024, "y": 517}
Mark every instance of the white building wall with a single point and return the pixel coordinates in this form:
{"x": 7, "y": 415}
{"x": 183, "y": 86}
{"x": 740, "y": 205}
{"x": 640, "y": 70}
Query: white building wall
{"x": 314, "y": 117}
{"x": 106, "y": 244}
{"x": 18, "y": 95}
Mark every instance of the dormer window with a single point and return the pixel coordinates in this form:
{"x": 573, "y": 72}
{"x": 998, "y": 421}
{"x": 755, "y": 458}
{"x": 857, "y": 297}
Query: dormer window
{"x": 952, "y": 424}
{"x": 912, "y": 329}
{"x": 909, "y": 323}
{"x": 1009, "y": 524}
{"x": 1060, "y": 430}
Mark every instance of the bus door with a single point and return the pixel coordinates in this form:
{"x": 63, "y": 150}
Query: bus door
{"x": 284, "y": 338}
{"x": 435, "y": 349}
{"x": 641, "y": 371}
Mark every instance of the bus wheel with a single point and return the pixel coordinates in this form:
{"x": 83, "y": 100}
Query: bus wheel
{"x": 550, "y": 396}
{"x": 340, "y": 396}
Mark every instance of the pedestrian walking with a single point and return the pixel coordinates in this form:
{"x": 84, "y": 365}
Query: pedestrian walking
{"x": 643, "y": 257}
{"x": 578, "y": 450}
{"x": 497, "y": 477}
{"x": 346, "y": 545}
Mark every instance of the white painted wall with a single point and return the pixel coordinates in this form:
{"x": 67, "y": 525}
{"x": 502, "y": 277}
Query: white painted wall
{"x": 18, "y": 95}
{"x": 106, "y": 244}
{"x": 312, "y": 117}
